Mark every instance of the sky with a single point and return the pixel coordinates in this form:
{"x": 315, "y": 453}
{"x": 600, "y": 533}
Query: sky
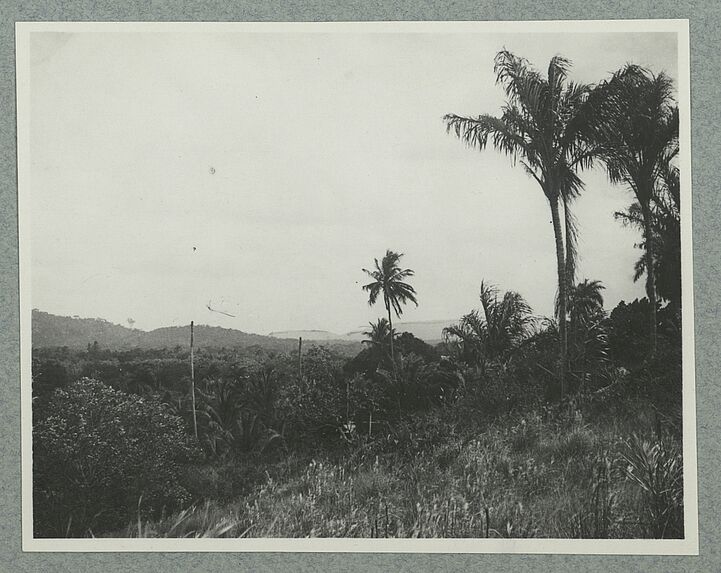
{"x": 258, "y": 173}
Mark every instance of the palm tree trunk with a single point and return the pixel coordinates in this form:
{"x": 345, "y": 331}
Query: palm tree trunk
{"x": 390, "y": 326}
{"x": 650, "y": 275}
{"x": 562, "y": 282}
{"x": 570, "y": 262}
{"x": 570, "y": 271}
{"x": 393, "y": 359}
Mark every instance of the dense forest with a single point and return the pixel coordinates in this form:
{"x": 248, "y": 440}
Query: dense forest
{"x": 514, "y": 425}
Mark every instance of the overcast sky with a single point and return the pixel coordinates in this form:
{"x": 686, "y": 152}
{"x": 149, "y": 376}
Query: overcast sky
{"x": 259, "y": 173}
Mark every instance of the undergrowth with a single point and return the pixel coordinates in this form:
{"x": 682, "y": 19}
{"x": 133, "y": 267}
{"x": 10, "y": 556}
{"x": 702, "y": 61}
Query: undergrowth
{"x": 566, "y": 472}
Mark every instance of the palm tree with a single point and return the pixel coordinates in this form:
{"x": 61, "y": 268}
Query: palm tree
{"x": 388, "y": 279}
{"x": 221, "y": 400}
{"x": 588, "y": 337}
{"x": 544, "y": 126}
{"x": 667, "y": 236}
{"x": 639, "y": 138}
{"x": 504, "y": 324}
{"x": 508, "y": 320}
{"x": 666, "y": 229}
{"x": 380, "y": 333}
{"x": 219, "y": 409}
{"x": 469, "y": 334}
{"x": 585, "y": 301}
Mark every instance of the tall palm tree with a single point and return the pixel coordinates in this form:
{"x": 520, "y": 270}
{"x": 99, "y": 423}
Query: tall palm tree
{"x": 542, "y": 126}
{"x": 666, "y": 230}
{"x": 388, "y": 280}
{"x": 639, "y": 136}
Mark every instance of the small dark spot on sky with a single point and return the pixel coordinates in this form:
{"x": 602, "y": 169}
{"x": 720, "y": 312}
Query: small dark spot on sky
{"x": 194, "y": 249}
{"x": 212, "y": 170}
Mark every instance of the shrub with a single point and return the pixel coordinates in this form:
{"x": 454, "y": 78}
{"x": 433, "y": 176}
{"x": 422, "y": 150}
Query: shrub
{"x": 48, "y": 375}
{"x": 99, "y": 454}
{"x": 657, "y": 469}
{"x": 576, "y": 444}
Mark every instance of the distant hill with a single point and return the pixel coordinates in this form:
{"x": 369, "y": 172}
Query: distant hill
{"x": 49, "y": 330}
{"x": 310, "y": 335}
{"x": 430, "y": 331}
{"x": 52, "y": 330}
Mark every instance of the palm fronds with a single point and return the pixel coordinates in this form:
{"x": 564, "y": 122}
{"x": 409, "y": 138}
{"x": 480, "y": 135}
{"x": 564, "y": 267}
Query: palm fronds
{"x": 388, "y": 279}
{"x": 492, "y": 332}
{"x": 657, "y": 470}
{"x": 547, "y": 125}
{"x": 380, "y": 333}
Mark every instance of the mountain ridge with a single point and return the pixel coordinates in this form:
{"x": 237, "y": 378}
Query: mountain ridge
{"x": 51, "y": 330}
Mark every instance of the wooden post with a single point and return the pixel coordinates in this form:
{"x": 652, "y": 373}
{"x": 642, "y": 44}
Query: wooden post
{"x": 192, "y": 380}
{"x": 300, "y": 358}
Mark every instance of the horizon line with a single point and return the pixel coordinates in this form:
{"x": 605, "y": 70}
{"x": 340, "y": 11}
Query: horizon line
{"x": 272, "y": 334}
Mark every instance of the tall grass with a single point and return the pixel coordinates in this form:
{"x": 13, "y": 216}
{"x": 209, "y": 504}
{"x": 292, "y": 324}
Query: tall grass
{"x": 542, "y": 475}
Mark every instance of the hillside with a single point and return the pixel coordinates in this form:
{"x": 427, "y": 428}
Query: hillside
{"x": 50, "y": 330}
{"x": 211, "y": 336}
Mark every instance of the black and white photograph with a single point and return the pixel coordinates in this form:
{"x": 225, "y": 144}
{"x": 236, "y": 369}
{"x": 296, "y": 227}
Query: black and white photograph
{"x": 381, "y": 286}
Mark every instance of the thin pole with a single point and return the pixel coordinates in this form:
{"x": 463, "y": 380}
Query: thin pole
{"x": 192, "y": 380}
{"x": 300, "y": 358}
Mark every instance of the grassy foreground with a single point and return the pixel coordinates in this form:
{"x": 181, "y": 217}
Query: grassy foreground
{"x": 592, "y": 470}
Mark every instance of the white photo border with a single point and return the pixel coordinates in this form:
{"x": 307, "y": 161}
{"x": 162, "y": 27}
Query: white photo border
{"x": 687, "y": 546}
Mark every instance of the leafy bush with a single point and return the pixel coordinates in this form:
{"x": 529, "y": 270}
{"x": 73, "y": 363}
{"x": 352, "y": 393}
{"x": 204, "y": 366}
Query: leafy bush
{"x": 48, "y": 375}
{"x": 316, "y": 406}
{"x": 99, "y": 454}
{"x": 627, "y": 328}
